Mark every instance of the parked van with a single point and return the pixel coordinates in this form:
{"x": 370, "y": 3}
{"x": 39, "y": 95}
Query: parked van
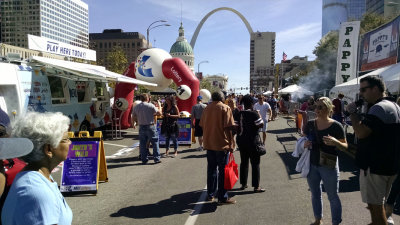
{"x": 77, "y": 90}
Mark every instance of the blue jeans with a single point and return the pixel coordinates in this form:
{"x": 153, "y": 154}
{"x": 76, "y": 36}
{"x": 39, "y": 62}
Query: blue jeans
{"x": 149, "y": 132}
{"x": 216, "y": 161}
{"x": 168, "y": 137}
{"x": 330, "y": 178}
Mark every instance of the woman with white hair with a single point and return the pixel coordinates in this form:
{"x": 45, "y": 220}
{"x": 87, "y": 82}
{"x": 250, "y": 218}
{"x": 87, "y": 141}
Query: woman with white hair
{"x": 325, "y": 137}
{"x": 34, "y": 197}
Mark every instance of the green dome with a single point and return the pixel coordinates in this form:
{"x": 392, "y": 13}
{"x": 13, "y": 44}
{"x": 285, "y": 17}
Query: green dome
{"x": 181, "y": 47}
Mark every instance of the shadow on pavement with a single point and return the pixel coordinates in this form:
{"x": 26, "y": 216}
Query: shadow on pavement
{"x": 346, "y": 164}
{"x": 290, "y": 162}
{"x": 283, "y": 131}
{"x": 195, "y": 156}
{"x": 177, "y": 204}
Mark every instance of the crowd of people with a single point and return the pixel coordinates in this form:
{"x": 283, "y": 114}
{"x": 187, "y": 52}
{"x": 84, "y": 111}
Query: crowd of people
{"x": 222, "y": 126}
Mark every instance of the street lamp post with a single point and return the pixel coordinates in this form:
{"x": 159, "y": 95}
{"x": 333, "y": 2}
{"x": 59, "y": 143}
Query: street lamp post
{"x": 198, "y": 65}
{"x": 149, "y": 28}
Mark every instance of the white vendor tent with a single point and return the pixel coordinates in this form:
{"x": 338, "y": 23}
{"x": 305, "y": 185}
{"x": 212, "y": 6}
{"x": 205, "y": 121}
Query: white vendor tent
{"x": 350, "y": 89}
{"x": 267, "y": 93}
{"x": 295, "y": 90}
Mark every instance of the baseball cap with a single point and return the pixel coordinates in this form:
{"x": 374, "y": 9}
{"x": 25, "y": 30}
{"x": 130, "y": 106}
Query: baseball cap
{"x": 14, "y": 147}
{"x": 199, "y": 97}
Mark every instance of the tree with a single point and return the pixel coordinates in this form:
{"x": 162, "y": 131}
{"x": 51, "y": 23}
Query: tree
{"x": 117, "y": 60}
{"x": 206, "y": 84}
{"x": 371, "y": 21}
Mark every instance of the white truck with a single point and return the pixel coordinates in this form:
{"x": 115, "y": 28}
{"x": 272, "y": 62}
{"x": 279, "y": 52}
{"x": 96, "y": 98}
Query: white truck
{"x": 77, "y": 90}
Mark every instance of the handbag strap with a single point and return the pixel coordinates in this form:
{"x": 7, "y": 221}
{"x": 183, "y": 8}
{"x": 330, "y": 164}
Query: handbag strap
{"x": 316, "y": 132}
{"x": 231, "y": 157}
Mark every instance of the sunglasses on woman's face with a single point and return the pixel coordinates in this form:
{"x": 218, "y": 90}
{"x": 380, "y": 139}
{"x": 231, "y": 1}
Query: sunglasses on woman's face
{"x": 320, "y": 107}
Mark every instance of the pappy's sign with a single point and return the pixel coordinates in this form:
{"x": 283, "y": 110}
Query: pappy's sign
{"x": 380, "y": 46}
{"x": 347, "y": 51}
{"x": 51, "y": 46}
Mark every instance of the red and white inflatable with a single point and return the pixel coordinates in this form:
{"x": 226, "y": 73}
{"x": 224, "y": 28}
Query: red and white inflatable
{"x": 157, "y": 66}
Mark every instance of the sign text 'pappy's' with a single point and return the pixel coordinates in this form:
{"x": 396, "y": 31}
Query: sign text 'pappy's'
{"x": 347, "y": 51}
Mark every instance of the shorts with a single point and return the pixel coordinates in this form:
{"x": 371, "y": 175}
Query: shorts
{"x": 265, "y": 126}
{"x": 198, "y": 130}
{"x": 375, "y": 188}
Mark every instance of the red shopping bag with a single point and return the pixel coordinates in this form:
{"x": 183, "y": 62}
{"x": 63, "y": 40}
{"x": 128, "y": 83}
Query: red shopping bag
{"x": 231, "y": 173}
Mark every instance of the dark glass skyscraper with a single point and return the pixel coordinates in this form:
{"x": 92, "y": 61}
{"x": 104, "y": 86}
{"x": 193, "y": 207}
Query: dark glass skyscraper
{"x": 355, "y": 9}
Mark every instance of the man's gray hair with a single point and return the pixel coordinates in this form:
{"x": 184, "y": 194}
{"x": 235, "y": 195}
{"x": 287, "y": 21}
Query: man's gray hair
{"x": 217, "y": 96}
{"x": 41, "y": 129}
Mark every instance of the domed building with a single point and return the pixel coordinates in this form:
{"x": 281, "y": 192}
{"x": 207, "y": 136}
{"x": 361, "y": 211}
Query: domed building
{"x": 182, "y": 49}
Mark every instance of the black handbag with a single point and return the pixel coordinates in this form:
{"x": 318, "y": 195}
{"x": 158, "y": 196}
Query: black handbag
{"x": 260, "y": 147}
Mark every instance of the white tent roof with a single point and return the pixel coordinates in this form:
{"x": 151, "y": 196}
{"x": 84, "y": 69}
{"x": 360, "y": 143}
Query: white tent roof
{"x": 295, "y": 89}
{"x": 267, "y": 93}
{"x": 85, "y": 71}
{"x": 389, "y": 74}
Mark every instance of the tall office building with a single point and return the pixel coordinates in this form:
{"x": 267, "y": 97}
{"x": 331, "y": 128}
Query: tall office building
{"x": 65, "y": 21}
{"x": 334, "y": 12}
{"x": 132, "y": 43}
{"x": 262, "y": 60}
{"x": 387, "y": 8}
{"x": 355, "y": 9}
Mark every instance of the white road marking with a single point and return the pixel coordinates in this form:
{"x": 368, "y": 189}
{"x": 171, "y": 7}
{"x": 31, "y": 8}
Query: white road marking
{"x": 123, "y": 151}
{"x": 191, "y": 220}
{"x": 124, "y": 146}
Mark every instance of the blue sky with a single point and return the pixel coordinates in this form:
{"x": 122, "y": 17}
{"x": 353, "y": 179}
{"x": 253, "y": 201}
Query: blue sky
{"x": 223, "y": 40}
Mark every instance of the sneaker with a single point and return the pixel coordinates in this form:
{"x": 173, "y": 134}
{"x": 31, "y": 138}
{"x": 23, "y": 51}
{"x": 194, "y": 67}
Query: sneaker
{"x": 210, "y": 199}
{"x": 390, "y": 220}
{"x": 157, "y": 162}
{"x": 228, "y": 201}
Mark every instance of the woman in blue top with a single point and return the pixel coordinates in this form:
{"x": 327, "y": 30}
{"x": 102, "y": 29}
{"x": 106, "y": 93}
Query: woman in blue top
{"x": 34, "y": 197}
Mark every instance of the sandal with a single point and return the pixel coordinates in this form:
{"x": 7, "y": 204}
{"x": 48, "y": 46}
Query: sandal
{"x": 259, "y": 190}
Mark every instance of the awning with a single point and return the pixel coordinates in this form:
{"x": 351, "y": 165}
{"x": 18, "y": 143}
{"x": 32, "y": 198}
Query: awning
{"x": 82, "y": 71}
{"x": 389, "y": 74}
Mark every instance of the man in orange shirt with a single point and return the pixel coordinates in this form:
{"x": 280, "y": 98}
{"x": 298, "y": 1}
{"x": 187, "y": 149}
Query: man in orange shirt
{"x": 217, "y": 123}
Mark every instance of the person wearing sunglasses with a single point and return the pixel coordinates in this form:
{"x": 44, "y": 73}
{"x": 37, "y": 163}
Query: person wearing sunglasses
{"x": 325, "y": 137}
{"x": 378, "y": 146}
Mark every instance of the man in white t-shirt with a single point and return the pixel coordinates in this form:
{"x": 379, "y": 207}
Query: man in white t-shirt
{"x": 263, "y": 108}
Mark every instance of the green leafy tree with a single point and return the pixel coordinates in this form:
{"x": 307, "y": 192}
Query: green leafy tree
{"x": 117, "y": 60}
{"x": 371, "y": 21}
{"x": 206, "y": 84}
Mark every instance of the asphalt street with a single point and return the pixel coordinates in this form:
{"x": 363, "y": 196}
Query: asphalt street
{"x": 172, "y": 192}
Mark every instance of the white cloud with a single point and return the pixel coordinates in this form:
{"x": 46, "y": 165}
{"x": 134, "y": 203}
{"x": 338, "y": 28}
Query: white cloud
{"x": 303, "y": 31}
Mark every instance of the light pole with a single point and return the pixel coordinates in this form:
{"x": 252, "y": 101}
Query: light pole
{"x": 198, "y": 65}
{"x": 149, "y": 28}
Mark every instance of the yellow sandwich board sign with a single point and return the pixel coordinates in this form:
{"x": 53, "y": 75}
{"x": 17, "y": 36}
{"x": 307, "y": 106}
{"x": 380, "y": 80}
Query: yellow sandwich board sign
{"x": 85, "y": 165}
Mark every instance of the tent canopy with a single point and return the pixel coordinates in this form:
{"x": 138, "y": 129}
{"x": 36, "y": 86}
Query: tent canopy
{"x": 296, "y": 90}
{"x": 82, "y": 71}
{"x": 389, "y": 74}
{"x": 267, "y": 93}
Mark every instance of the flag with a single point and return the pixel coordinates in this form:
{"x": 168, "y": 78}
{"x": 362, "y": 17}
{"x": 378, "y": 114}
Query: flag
{"x": 284, "y": 56}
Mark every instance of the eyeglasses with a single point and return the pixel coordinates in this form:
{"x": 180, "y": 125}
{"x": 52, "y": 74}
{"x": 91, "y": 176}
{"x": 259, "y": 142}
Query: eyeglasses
{"x": 363, "y": 89}
{"x": 320, "y": 107}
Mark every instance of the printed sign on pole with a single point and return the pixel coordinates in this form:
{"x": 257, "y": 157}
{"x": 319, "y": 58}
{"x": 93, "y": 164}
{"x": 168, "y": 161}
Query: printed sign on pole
{"x": 347, "y": 52}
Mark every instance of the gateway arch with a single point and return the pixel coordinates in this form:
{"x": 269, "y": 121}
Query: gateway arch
{"x": 197, "y": 31}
